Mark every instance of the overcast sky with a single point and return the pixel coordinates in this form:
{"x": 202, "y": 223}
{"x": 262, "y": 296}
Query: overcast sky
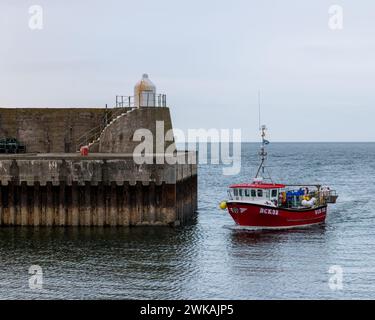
{"x": 209, "y": 57}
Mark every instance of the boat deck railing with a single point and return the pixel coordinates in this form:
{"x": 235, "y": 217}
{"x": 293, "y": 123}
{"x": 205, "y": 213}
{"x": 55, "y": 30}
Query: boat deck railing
{"x": 329, "y": 196}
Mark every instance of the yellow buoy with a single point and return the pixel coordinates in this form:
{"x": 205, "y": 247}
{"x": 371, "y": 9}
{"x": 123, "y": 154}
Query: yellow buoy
{"x": 223, "y": 205}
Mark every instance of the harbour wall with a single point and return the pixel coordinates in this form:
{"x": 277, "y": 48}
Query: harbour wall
{"x": 60, "y": 130}
{"x": 53, "y": 185}
{"x": 118, "y": 137}
{"x": 46, "y": 130}
{"x": 96, "y": 190}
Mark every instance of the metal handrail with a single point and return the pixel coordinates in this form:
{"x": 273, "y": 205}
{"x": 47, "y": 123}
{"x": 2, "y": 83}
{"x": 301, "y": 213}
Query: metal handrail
{"x": 125, "y": 101}
{"x": 145, "y": 99}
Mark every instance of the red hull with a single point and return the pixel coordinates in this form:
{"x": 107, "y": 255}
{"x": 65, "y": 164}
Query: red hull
{"x": 260, "y": 216}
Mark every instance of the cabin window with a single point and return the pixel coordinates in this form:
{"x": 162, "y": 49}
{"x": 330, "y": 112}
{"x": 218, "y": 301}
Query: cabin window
{"x": 260, "y": 193}
{"x": 235, "y": 191}
{"x": 240, "y": 190}
{"x": 274, "y": 193}
{"x": 267, "y": 192}
{"x": 253, "y": 193}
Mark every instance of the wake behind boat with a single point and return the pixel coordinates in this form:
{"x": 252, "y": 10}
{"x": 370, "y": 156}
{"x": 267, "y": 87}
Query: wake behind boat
{"x": 268, "y": 205}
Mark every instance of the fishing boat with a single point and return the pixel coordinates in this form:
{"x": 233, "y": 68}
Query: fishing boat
{"x": 264, "y": 204}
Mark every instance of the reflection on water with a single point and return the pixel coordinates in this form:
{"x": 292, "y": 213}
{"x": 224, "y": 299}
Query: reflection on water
{"x": 241, "y": 236}
{"x": 211, "y": 258}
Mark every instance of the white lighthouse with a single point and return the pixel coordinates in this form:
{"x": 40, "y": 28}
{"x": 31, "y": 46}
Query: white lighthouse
{"x": 145, "y": 93}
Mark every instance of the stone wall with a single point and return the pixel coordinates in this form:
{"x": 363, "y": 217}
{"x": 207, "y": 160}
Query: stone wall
{"x": 97, "y": 205}
{"x": 58, "y": 187}
{"x": 57, "y": 130}
{"x": 97, "y": 190}
{"x": 49, "y": 129}
{"x": 118, "y": 137}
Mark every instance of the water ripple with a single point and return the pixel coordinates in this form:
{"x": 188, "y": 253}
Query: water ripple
{"x": 211, "y": 258}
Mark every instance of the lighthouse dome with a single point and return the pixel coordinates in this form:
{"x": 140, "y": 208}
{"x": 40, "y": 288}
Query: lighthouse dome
{"x": 144, "y": 92}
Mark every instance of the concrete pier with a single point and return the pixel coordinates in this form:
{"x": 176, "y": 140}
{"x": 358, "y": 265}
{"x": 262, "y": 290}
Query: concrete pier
{"x": 53, "y": 185}
{"x": 96, "y": 190}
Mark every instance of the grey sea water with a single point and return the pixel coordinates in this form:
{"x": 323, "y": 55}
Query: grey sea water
{"x": 210, "y": 259}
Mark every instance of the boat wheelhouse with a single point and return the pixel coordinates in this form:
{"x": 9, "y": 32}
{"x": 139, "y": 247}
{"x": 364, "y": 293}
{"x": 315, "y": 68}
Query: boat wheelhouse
{"x": 257, "y": 192}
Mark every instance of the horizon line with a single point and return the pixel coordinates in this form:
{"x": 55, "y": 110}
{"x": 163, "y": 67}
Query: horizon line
{"x": 278, "y": 142}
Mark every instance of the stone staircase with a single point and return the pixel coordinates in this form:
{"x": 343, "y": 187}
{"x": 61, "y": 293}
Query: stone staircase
{"x": 92, "y": 137}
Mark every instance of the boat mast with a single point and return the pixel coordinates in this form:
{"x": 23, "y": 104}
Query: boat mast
{"x": 259, "y": 109}
{"x": 262, "y": 153}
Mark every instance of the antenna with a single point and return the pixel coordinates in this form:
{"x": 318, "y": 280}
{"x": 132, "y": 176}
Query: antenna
{"x": 263, "y": 153}
{"x": 263, "y": 156}
{"x": 259, "y": 108}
